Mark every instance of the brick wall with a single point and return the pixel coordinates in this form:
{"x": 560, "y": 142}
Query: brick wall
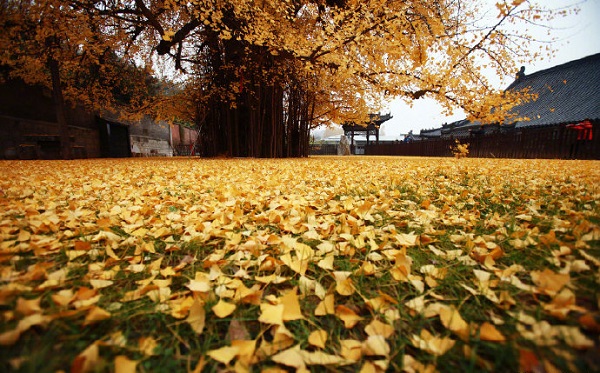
{"x": 183, "y": 135}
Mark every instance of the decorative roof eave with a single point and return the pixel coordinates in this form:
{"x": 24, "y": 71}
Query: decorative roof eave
{"x": 376, "y": 120}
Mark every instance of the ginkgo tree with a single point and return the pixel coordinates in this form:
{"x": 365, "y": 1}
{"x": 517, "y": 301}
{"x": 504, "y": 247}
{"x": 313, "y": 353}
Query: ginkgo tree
{"x": 270, "y": 70}
{"x": 260, "y": 75}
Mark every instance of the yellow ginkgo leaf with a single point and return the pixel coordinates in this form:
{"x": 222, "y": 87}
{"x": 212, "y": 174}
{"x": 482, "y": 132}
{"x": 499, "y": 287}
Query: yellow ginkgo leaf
{"x": 224, "y": 354}
{"x": 451, "y": 319}
{"x": 223, "y": 309}
{"x": 326, "y": 306}
{"x": 573, "y": 336}
{"x": 327, "y": 262}
{"x": 271, "y": 313}
{"x": 63, "y": 297}
{"x": 376, "y": 345}
{"x": 548, "y": 281}
{"x": 437, "y": 346}
{"x": 377, "y": 327}
{"x": 86, "y": 360}
{"x": 351, "y": 349}
{"x": 246, "y": 351}
{"x": 291, "y": 358}
{"x": 297, "y": 265}
{"x": 28, "y": 306}
{"x": 197, "y": 316}
{"x": 349, "y": 317}
{"x": 344, "y": 284}
{"x": 321, "y": 358}
{"x": 345, "y": 287}
{"x": 318, "y": 338}
{"x": 124, "y": 365}
{"x": 303, "y": 252}
{"x": 291, "y": 306}
{"x": 10, "y": 337}
{"x": 99, "y": 284}
{"x": 23, "y": 236}
{"x": 147, "y": 345}
{"x": 407, "y": 239}
{"x": 96, "y": 314}
{"x": 488, "y": 332}
{"x": 200, "y": 285}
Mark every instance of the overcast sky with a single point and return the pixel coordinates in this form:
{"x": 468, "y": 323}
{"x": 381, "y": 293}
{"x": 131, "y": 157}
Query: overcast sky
{"x": 578, "y": 36}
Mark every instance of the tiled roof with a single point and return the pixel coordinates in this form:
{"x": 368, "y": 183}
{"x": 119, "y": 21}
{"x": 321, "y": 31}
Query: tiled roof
{"x": 566, "y": 93}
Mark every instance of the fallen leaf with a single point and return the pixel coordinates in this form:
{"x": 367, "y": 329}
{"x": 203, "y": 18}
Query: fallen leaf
{"x": 436, "y": 346}
{"x": 451, "y": 319}
{"x": 351, "y": 349}
{"x": 488, "y": 332}
{"x": 318, "y": 338}
{"x": 589, "y": 322}
{"x": 407, "y": 239}
{"x": 237, "y": 331}
{"x": 203, "y": 285}
{"x": 82, "y": 245}
{"x": 223, "y": 309}
{"x": 124, "y": 365}
{"x": 377, "y": 327}
{"x": 376, "y": 345}
{"x": 246, "y": 353}
{"x": 548, "y": 281}
{"x": 10, "y": 337}
{"x": 574, "y": 337}
{"x": 96, "y": 314}
{"x": 28, "y": 307}
{"x": 528, "y": 361}
{"x": 349, "y": 317}
{"x": 291, "y": 358}
{"x": 224, "y": 354}
{"x": 99, "y": 284}
{"x": 148, "y": 345}
{"x": 326, "y": 306}
{"x": 321, "y": 358}
{"x": 197, "y": 316}
{"x": 271, "y": 313}
{"x": 86, "y": 360}
{"x": 345, "y": 287}
{"x": 291, "y": 306}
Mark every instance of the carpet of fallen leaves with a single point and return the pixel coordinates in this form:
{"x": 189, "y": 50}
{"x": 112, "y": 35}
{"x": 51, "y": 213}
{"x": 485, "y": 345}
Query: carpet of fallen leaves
{"x": 356, "y": 263}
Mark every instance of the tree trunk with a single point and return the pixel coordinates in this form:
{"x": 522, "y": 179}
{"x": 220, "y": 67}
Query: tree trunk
{"x": 59, "y": 104}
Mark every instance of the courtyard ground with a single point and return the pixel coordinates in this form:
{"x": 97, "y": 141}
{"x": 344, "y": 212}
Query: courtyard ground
{"x": 342, "y": 263}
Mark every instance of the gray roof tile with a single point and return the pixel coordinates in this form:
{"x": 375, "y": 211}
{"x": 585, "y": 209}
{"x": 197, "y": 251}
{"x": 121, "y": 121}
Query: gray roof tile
{"x": 566, "y": 93}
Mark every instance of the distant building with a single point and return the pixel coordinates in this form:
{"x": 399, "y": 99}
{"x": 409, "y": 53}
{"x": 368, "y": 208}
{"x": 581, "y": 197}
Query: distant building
{"x": 29, "y": 129}
{"x": 352, "y": 131}
{"x": 567, "y": 93}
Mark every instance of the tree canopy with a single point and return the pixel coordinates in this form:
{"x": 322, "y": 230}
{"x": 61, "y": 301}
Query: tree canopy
{"x": 259, "y": 74}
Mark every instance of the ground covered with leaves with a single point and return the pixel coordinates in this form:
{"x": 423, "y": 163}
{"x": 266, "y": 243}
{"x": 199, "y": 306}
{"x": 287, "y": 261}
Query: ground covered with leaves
{"x": 348, "y": 264}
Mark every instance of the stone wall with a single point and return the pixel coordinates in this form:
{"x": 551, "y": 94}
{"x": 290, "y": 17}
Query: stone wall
{"x": 150, "y": 138}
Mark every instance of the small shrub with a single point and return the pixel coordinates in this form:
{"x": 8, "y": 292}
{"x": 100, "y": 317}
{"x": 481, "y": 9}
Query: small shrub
{"x": 460, "y": 150}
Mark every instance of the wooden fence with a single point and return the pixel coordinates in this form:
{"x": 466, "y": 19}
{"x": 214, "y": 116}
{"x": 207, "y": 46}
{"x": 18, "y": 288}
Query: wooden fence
{"x": 323, "y": 149}
{"x": 543, "y": 142}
